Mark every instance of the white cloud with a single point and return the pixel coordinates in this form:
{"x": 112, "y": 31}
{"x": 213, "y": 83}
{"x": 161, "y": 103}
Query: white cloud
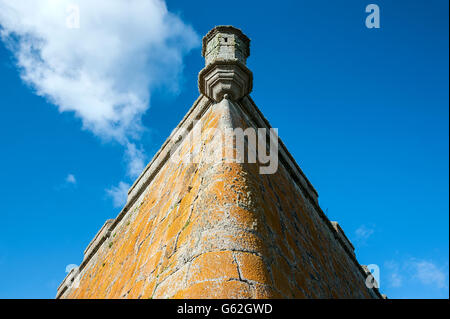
{"x": 105, "y": 70}
{"x": 119, "y": 194}
{"x": 136, "y": 160}
{"x": 71, "y": 179}
{"x": 429, "y": 274}
{"x": 396, "y": 280}
{"x": 70, "y": 267}
{"x": 416, "y": 271}
{"x": 363, "y": 233}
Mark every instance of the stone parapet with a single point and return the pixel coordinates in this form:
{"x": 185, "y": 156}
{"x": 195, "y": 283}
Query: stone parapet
{"x": 101, "y": 235}
{"x": 342, "y": 237}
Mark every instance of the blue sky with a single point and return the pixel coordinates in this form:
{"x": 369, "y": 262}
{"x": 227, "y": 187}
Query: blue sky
{"x": 363, "y": 111}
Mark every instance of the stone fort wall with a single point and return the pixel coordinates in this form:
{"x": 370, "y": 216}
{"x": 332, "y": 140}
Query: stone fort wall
{"x": 219, "y": 230}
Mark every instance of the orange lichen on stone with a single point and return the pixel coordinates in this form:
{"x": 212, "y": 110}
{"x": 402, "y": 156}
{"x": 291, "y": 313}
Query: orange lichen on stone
{"x": 199, "y": 223}
{"x": 215, "y": 289}
{"x": 220, "y": 230}
{"x": 253, "y": 268}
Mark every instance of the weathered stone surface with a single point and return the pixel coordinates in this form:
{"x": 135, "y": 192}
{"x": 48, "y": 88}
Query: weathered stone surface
{"x": 225, "y": 77}
{"x": 213, "y": 228}
{"x": 225, "y": 49}
{"x": 226, "y": 43}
